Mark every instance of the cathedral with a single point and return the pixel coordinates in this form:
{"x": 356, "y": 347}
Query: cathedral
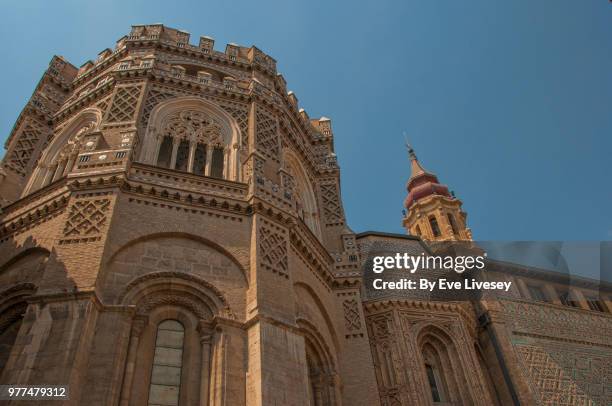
{"x": 172, "y": 233}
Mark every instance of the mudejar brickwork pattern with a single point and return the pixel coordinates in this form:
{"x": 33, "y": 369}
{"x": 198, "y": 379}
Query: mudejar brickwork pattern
{"x": 172, "y": 233}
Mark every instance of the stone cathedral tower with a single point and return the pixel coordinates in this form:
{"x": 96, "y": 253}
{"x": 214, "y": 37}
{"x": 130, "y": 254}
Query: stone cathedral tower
{"x": 432, "y": 212}
{"x": 167, "y": 199}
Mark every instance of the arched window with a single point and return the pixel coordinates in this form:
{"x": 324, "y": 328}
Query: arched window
{"x": 320, "y": 383}
{"x": 192, "y": 141}
{"x": 433, "y": 377}
{"x": 433, "y": 365}
{"x": 59, "y": 158}
{"x": 199, "y": 160}
{"x": 216, "y": 170}
{"x": 182, "y": 156}
{"x": 417, "y": 230}
{"x": 167, "y": 364}
{"x": 444, "y": 372}
{"x": 453, "y": 223}
{"x": 212, "y": 138}
{"x": 165, "y": 152}
{"x": 63, "y": 162}
{"x": 435, "y": 228}
{"x": 299, "y": 186}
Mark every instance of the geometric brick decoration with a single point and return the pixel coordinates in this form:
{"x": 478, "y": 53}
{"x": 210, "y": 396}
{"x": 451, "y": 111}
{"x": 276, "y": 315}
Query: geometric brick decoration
{"x": 24, "y": 146}
{"x": 563, "y": 377}
{"x": 352, "y": 321}
{"x": 103, "y": 105}
{"x": 241, "y": 115}
{"x": 86, "y": 218}
{"x": 124, "y": 104}
{"x": 273, "y": 246}
{"x": 154, "y": 97}
{"x": 331, "y": 204}
{"x": 267, "y": 133}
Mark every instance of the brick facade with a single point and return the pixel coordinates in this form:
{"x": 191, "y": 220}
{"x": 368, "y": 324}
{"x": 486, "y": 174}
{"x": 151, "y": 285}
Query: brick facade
{"x": 170, "y": 181}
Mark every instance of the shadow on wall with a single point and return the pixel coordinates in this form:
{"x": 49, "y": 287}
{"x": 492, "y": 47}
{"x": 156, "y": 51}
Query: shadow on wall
{"x": 31, "y": 327}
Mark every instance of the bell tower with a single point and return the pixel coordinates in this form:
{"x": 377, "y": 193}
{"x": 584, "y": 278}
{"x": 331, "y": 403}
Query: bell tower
{"x": 432, "y": 212}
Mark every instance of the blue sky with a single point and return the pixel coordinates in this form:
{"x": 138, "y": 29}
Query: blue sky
{"x": 509, "y": 102}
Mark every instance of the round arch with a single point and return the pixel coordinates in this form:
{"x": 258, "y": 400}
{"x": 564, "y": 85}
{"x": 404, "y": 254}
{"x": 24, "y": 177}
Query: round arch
{"x": 309, "y": 291}
{"x": 87, "y": 120}
{"x": 306, "y": 199}
{"x": 442, "y": 366}
{"x": 229, "y": 130}
{"x": 170, "y": 288}
{"x": 187, "y": 236}
{"x": 323, "y": 379}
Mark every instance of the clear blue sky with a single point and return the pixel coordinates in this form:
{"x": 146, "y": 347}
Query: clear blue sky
{"x": 509, "y": 102}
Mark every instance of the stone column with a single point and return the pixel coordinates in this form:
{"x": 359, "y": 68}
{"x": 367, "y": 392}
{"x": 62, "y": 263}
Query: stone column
{"x": 192, "y": 148}
{"x": 128, "y": 378}
{"x": 49, "y": 175}
{"x": 209, "y": 152}
{"x": 45, "y": 171}
{"x": 318, "y": 391}
{"x": 59, "y": 169}
{"x": 175, "y": 144}
{"x": 218, "y": 369}
{"x": 577, "y": 296}
{"x": 522, "y": 287}
{"x": 69, "y": 165}
{"x": 226, "y": 153}
{"x": 158, "y": 142}
{"x": 551, "y": 294}
{"x": 205, "y": 341}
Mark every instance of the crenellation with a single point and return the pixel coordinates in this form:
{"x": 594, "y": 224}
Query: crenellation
{"x": 293, "y": 100}
{"x": 207, "y": 44}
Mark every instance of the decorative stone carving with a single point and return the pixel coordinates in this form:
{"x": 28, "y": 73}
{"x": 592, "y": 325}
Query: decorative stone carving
{"x": 562, "y": 376}
{"x": 331, "y": 203}
{"x": 273, "y": 248}
{"x": 25, "y": 145}
{"x": 195, "y": 126}
{"x": 267, "y": 133}
{"x": 124, "y": 104}
{"x": 86, "y": 218}
{"x": 352, "y": 319}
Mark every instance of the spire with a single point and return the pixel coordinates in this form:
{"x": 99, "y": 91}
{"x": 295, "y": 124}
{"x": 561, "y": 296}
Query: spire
{"x": 416, "y": 169}
{"x": 422, "y": 183}
{"x": 431, "y": 211}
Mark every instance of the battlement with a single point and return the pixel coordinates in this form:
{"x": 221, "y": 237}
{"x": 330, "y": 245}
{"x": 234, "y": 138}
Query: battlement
{"x": 174, "y": 40}
{"x": 181, "y": 39}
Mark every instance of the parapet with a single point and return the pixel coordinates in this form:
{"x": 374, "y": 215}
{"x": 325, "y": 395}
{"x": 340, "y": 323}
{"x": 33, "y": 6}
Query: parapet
{"x": 173, "y": 37}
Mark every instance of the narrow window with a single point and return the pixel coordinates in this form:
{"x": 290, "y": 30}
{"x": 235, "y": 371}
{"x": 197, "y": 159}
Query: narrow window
{"x": 567, "y": 301}
{"x": 536, "y": 293}
{"x": 84, "y": 158}
{"x": 167, "y": 364}
{"x": 216, "y": 168}
{"x": 182, "y": 156}
{"x": 434, "y": 226}
{"x": 433, "y": 383}
{"x": 453, "y": 223}
{"x": 595, "y": 304}
{"x": 199, "y": 159}
{"x": 165, "y": 152}
{"x": 417, "y": 230}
